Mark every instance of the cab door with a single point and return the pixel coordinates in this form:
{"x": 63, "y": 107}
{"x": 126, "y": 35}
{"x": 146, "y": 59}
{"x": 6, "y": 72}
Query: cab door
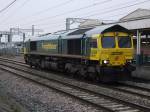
{"x": 94, "y": 48}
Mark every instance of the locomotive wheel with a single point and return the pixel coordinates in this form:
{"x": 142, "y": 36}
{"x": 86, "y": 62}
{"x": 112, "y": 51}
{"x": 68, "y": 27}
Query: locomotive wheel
{"x": 83, "y": 72}
{"x": 101, "y": 75}
{"x": 126, "y": 75}
{"x": 42, "y": 64}
{"x": 61, "y": 67}
{"x": 31, "y": 64}
{"x": 93, "y": 76}
{"x": 26, "y": 62}
{"x": 97, "y": 78}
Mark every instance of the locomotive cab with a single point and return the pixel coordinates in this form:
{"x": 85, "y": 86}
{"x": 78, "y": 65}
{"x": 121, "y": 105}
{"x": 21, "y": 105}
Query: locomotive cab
{"x": 116, "y": 49}
{"x": 113, "y": 48}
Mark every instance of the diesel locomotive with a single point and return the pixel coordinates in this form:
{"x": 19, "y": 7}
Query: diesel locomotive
{"x": 103, "y": 53}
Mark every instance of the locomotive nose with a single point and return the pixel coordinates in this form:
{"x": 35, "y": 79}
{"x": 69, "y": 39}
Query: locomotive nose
{"x": 113, "y": 58}
{"x": 117, "y": 60}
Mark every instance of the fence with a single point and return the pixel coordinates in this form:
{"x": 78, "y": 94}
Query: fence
{"x": 10, "y": 49}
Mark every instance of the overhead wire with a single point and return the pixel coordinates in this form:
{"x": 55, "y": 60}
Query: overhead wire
{"x": 106, "y": 11}
{"x": 116, "y": 9}
{"x": 52, "y": 17}
{"x": 6, "y": 7}
{"x": 123, "y": 7}
{"x": 45, "y": 10}
{"x": 51, "y": 8}
{"x": 12, "y": 14}
{"x": 72, "y": 11}
{"x": 112, "y": 10}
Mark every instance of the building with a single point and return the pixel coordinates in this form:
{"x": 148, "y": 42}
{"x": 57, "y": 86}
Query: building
{"x": 138, "y": 22}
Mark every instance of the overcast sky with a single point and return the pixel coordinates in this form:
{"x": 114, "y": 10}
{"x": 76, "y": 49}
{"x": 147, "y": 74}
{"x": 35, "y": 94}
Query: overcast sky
{"x": 50, "y": 15}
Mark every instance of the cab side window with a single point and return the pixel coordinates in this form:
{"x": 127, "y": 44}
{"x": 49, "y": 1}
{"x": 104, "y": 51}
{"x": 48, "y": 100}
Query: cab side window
{"x": 93, "y": 43}
{"x": 33, "y": 46}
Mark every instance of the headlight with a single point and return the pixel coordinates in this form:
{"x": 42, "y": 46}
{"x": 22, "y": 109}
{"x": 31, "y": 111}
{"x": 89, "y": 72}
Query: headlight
{"x": 105, "y": 61}
{"x": 129, "y": 61}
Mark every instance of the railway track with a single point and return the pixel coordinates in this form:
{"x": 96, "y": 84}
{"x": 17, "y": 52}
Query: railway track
{"x": 82, "y": 91}
{"x": 129, "y": 85}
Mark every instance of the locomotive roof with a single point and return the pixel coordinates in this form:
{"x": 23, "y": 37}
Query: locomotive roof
{"x": 45, "y": 37}
{"x": 106, "y": 28}
{"x": 52, "y": 36}
{"x": 78, "y": 33}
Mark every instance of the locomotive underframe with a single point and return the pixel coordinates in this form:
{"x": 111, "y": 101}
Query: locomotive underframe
{"x": 80, "y": 67}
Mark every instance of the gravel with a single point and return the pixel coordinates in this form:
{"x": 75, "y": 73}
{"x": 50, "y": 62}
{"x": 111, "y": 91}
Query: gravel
{"x": 36, "y": 98}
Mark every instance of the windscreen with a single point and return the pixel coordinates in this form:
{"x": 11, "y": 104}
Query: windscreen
{"x": 124, "y": 42}
{"x": 108, "y": 42}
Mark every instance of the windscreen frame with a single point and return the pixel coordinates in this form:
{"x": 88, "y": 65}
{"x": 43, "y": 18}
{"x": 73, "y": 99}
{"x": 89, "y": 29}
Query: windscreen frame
{"x": 107, "y": 44}
{"x": 124, "y": 37}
